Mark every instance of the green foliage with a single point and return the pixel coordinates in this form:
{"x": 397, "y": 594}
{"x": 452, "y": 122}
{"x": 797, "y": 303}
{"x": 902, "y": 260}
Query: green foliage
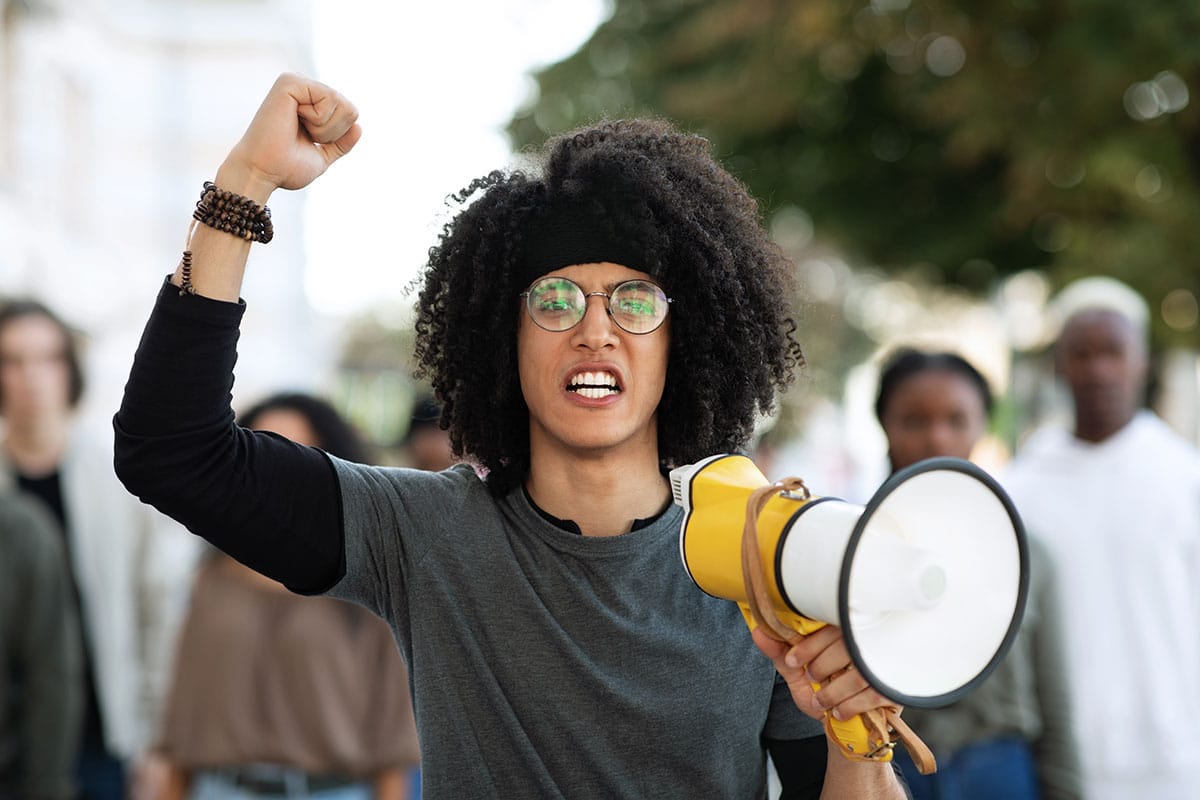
{"x": 967, "y": 139}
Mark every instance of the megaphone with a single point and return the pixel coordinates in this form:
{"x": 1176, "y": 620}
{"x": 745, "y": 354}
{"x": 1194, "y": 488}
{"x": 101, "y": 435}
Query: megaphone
{"x": 927, "y": 582}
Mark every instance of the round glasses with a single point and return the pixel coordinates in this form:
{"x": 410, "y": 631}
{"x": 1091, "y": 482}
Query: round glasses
{"x": 558, "y": 304}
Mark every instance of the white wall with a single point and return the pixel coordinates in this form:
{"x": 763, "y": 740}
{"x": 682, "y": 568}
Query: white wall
{"x": 114, "y": 113}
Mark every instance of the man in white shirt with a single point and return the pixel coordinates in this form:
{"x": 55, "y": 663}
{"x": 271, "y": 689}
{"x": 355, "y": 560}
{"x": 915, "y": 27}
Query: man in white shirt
{"x": 1117, "y": 502}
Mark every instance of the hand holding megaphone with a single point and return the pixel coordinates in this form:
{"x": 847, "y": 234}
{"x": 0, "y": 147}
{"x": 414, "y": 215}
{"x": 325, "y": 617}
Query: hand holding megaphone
{"x": 927, "y": 583}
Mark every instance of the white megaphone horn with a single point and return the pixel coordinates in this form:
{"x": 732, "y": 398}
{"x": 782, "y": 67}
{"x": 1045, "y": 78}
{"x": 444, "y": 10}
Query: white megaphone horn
{"x": 927, "y": 582}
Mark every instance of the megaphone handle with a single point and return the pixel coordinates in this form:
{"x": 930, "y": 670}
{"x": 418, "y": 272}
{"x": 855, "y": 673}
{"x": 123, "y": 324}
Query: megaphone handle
{"x": 865, "y": 737}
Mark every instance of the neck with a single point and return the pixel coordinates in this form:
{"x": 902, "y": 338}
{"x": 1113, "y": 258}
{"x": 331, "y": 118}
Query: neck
{"x": 36, "y": 447}
{"x": 1098, "y": 430}
{"x": 602, "y": 496}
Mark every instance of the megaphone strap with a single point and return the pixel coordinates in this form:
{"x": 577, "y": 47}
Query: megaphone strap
{"x": 921, "y": 755}
{"x": 757, "y": 596}
{"x": 883, "y": 726}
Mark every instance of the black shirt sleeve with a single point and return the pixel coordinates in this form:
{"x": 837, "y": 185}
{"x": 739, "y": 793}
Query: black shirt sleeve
{"x": 800, "y": 765}
{"x": 270, "y": 503}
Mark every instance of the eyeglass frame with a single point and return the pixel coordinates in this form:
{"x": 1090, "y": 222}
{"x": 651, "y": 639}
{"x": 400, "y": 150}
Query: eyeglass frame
{"x": 527, "y": 294}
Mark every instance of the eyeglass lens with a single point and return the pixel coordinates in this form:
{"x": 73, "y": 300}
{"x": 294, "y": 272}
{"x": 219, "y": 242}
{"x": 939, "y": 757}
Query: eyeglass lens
{"x": 558, "y": 304}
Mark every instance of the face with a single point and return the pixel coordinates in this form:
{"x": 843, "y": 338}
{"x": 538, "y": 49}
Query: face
{"x": 1104, "y": 362}
{"x": 593, "y": 388}
{"x": 288, "y": 424}
{"x": 35, "y": 379}
{"x": 933, "y": 413}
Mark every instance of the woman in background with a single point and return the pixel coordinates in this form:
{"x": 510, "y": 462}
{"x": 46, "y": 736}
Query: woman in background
{"x": 279, "y": 695}
{"x": 1011, "y": 738}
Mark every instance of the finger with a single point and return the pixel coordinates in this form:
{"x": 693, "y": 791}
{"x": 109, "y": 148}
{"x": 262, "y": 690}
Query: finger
{"x": 811, "y": 647}
{"x": 861, "y": 702}
{"x": 830, "y": 661}
{"x": 771, "y": 647}
{"x": 327, "y": 115}
{"x": 839, "y": 689}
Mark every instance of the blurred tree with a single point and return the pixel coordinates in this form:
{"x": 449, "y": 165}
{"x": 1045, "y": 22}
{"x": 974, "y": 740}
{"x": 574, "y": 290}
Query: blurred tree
{"x": 964, "y": 140}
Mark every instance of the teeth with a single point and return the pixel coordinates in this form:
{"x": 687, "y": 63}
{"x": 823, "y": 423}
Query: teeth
{"x": 594, "y": 379}
{"x": 594, "y": 385}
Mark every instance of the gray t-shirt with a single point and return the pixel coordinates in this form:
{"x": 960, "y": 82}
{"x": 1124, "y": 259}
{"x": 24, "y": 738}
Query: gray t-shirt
{"x": 545, "y": 664}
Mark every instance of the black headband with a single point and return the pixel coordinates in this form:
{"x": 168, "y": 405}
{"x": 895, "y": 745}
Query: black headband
{"x": 568, "y": 234}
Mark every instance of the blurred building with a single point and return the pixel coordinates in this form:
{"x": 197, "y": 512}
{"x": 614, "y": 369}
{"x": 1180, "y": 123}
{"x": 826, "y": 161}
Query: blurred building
{"x": 112, "y": 115}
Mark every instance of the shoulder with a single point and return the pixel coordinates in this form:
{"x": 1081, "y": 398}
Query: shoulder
{"x": 20, "y": 511}
{"x": 1042, "y": 451}
{"x": 377, "y": 492}
{"x": 26, "y": 526}
{"x": 458, "y": 480}
{"x": 1151, "y": 431}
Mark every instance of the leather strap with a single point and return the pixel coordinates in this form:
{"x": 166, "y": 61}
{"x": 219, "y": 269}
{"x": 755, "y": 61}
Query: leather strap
{"x": 884, "y": 724}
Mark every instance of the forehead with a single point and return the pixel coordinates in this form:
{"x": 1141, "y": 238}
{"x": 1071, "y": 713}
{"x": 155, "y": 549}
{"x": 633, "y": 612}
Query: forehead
{"x": 31, "y": 332}
{"x": 936, "y": 386}
{"x": 595, "y": 277}
{"x": 287, "y": 422}
{"x": 1098, "y": 326}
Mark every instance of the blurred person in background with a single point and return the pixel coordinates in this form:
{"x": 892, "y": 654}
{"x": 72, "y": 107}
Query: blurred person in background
{"x": 1011, "y": 738}
{"x": 130, "y": 567}
{"x": 279, "y": 695}
{"x": 426, "y": 444}
{"x": 1116, "y": 498}
{"x": 41, "y": 658}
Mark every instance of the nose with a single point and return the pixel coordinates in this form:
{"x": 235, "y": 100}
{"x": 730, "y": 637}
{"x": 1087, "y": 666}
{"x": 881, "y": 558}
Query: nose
{"x": 596, "y": 330}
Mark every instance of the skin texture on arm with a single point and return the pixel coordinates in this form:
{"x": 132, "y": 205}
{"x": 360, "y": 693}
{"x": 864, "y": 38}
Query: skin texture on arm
{"x": 818, "y": 658}
{"x": 300, "y": 129}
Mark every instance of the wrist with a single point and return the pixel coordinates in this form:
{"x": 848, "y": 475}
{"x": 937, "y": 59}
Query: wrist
{"x": 244, "y": 180}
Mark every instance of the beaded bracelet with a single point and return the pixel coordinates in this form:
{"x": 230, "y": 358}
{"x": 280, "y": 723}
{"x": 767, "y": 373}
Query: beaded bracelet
{"x": 234, "y": 214}
{"x": 228, "y": 212}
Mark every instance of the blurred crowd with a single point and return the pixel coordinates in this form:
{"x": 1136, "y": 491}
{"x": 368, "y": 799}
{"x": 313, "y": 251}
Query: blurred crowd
{"x": 137, "y": 662}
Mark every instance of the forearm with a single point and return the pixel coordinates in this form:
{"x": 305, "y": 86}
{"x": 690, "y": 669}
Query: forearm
{"x": 852, "y": 780}
{"x": 218, "y": 260}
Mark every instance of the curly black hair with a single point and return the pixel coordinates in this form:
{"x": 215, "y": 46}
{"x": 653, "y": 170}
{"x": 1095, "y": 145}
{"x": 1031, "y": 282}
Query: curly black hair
{"x": 696, "y": 229}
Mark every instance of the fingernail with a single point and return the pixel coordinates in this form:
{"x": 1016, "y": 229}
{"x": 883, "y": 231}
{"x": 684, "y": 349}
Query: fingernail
{"x": 791, "y": 659}
{"x": 837, "y": 714}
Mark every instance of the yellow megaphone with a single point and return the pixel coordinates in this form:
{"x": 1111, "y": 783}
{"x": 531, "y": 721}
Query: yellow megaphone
{"x": 928, "y": 581}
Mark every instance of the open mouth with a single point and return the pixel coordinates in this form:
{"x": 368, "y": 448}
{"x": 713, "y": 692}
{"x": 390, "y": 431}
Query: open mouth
{"x": 594, "y": 385}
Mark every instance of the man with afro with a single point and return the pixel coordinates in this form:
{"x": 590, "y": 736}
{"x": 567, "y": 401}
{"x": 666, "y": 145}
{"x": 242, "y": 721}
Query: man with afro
{"x": 585, "y": 328}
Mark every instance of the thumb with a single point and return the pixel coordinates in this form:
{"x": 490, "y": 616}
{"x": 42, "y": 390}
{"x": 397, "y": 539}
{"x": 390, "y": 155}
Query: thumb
{"x": 335, "y": 150}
